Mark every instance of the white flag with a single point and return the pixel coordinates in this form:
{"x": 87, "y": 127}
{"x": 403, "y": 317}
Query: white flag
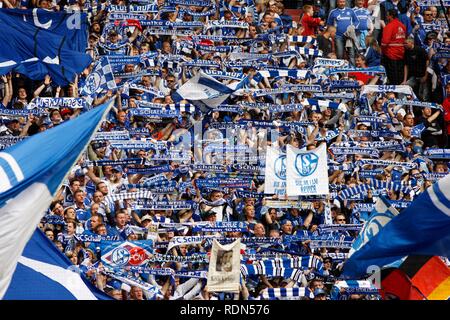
{"x": 307, "y": 171}
{"x": 31, "y": 173}
{"x": 206, "y": 89}
{"x": 224, "y": 271}
{"x": 275, "y": 178}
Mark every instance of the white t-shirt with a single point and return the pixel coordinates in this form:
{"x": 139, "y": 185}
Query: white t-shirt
{"x": 114, "y": 187}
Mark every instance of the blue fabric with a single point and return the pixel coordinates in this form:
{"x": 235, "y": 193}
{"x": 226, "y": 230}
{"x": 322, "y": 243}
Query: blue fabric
{"x": 36, "y": 52}
{"x": 421, "y": 229}
{"x": 27, "y": 284}
{"x": 54, "y": 152}
{"x": 373, "y": 58}
{"x": 406, "y": 22}
{"x": 62, "y": 24}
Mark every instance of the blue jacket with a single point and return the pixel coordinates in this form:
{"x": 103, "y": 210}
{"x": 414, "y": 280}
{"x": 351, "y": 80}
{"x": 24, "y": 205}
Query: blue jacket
{"x": 373, "y": 58}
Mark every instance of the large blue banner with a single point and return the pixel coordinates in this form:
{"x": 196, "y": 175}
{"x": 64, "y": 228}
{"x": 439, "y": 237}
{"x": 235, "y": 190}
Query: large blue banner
{"x": 36, "y": 43}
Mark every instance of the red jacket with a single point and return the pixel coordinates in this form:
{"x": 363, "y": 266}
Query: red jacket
{"x": 392, "y": 42}
{"x": 446, "y": 106}
{"x": 309, "y": 24}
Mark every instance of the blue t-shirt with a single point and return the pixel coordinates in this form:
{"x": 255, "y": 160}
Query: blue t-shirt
{"x": 342, "y": 19}
{"x": 364, "y": 16}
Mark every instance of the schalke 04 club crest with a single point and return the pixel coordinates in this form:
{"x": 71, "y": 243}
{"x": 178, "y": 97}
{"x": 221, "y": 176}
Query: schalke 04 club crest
{"x": 306, "y": 164}
{"x": 280, "y": 167}
{"x": 93, "y": 83}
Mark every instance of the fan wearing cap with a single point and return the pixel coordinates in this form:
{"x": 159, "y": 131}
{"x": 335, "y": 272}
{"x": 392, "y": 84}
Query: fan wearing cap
{"x": 45, "y": 4}
{"x": 146, "y": 220}
{"x": 210, "y": 216}
{"x": 219, "y": 205}
{"x": 327, "y": 265}
{"x": 115, "y": 179}
{"x": 286, "y": 227}
{"x": 115, "y": 45}
{"x": 320, "y": 294}
{"x": 10, "y": 127}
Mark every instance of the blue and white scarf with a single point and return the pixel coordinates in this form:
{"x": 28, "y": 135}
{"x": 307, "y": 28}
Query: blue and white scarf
{"x": 113, "y": 163}
{"x": 250, "y": 270}
{"x": 139, "y": 145}
{"x": 112, "y": 135}
{"x": 416, "y": 103}
{"x": 433, "y": 153}
{"x": 129, "y": 195}
{"x": 162, "y": 205}
{"x": 201, "y": 258}
{"x": 355, "y": 150}
{"x": 385, "y": 163}
{"x": 275, "y": 293}
{"x": 370, "y": 71}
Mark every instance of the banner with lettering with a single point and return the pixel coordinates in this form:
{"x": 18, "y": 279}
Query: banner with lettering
{"x": 307, "y": 171}
{"x": 275, "y": 181}
{"x": 127, "y": 253}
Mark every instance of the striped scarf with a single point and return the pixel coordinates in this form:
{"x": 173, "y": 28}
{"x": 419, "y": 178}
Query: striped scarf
{"x": 129, "y": 195}
{"x": 113, "y": 163}
{"x": 298, "y": 262}
{"x": 274, "y": 293}
{"x": 374, "y": 184}
{"x": 250, "y": 270}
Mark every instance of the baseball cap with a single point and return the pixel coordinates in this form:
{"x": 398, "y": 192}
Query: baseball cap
{"x": 113, "y": 33}
{"x": 65, "y": 111}
{"x": 401, "y": 112}
{"x": 209, "y": 213}
{"x": 327, "y": 259}
{"x": 319, "y": 292}
{"x": 146, "y": 217}
{"x": 79, "y": 173}
{"x": 98, "y": 145}
{"x": 118, "y": 168}
{"x": 10, "y": 121}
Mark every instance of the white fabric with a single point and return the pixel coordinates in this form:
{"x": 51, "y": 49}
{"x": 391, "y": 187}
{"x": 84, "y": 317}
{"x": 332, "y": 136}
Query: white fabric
{"x": 19, "y": 217}
{"x": 307, "y": 171}
{"x": 224, "y": 267}
{"x": 275, "y": 172}
{"x": 68, "y": 279}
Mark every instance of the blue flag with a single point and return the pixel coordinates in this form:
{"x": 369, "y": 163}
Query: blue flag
{"x": 101, "y": 79}
{"x": 72, "y": 26}
{"x": 31, "y": 173}
{"x": 421, "y": 229}
{"x": 34, "y": 48}
{"x": 44, "y": 273}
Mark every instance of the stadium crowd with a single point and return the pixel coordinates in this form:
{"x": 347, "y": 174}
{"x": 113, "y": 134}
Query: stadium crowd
{"x": 368, "y": 78}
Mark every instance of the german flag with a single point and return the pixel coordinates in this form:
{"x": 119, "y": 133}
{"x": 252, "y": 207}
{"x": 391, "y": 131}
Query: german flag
{"x": 418, "y": 278}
